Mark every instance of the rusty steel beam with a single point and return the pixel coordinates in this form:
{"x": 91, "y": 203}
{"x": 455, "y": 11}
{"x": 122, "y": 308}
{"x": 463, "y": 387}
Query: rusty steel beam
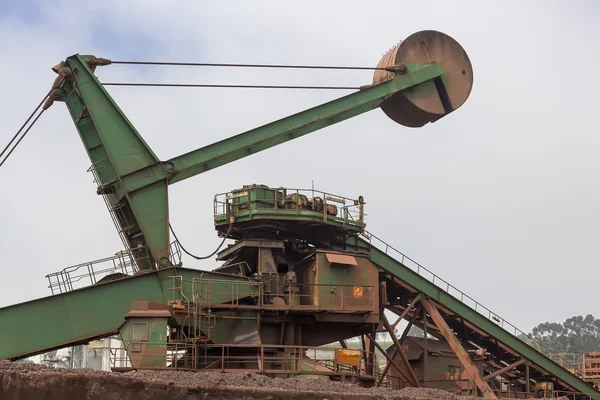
{"x": 369, "y": 349}
{"x": 401, "y": 341}
{"x": 459, "y": 350}
{"x": 386, "y": 369}
{"x": 386, "y": 323}
{"x": 503, "y": 370}
{"x": 406, "y": 310}
{"x": 390, "y": 361}
{"x": 433, "y": 331}
{"x": 425, "y": 341}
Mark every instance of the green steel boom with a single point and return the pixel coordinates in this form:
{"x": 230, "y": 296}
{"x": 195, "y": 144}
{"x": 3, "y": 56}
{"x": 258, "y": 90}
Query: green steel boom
{"x": 135, "y": 181}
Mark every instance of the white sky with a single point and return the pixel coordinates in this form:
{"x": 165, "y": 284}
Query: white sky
{"x": 500, "y": 198}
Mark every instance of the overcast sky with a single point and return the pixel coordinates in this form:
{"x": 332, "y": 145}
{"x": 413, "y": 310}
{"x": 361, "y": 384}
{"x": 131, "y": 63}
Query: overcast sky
{"x": 500, "y": 198}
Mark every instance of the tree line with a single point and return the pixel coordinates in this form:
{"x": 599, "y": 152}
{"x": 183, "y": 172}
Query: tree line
{"x": 577, "y": 334}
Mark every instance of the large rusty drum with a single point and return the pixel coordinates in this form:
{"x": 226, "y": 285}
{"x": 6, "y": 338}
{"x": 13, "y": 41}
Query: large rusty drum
{"x": 429, "y": 101}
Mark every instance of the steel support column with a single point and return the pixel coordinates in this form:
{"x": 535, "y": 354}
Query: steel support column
{"x": 390, "y": 362}
{"x": 387, "y": 325}
{"x": 527, "y": 380}
{"x": 401, "y": 341}
{"x": 458, "y": 349}
{"x": 425, "y": 350}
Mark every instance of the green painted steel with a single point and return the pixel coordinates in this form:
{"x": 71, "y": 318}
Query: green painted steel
{"x": 188, "y": 284}
{"x": 442, "y": 297}
{"x": 116, "y": 150}
{"x": 297, "y": 125}
{"x": 58, "y": 321}
{"x": 145, "y": 340}
{"x": 98, "y": 311}
{"x": 286, "y": 204}
{"x": 134, "y": 181}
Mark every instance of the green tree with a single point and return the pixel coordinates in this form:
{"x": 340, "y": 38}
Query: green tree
{"x": 576, "y": 335}
{"x": 583, "y": 334}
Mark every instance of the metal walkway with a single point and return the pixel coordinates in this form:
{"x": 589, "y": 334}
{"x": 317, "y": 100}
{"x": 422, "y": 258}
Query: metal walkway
{"x": 470, "y": 320}
{"x": 91, "y": 312}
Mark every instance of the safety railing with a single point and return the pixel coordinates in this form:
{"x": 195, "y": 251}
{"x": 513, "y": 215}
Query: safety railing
{"x": 297, "y": 297}
{"x": 288, "y": 201}
{"x": 273, "y": 359}
{"x": 208, "y": 292}
{"x": 134, "y": 352}
{"x": 469, "y": 301}
{"x": 90, "y": 273}
{"x": 123, "y": 263}
{"x": 572, "y": 395}
{"x": 118, "y": 358}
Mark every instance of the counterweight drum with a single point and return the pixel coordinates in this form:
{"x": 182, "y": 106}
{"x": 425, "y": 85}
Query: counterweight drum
{"x": 430, "y": 100}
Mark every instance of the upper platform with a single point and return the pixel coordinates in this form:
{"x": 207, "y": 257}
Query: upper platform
{"x": 308, "y": 214}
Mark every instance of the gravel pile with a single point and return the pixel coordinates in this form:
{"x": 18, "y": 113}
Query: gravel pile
{"x": 20, "y": 381}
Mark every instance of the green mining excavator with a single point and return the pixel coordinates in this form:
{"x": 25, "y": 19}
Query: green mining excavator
{"x": 302, "y": 270}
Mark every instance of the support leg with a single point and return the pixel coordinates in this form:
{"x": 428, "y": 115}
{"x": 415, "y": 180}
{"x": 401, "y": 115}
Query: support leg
{"x": 527, "y": 382}
{"x": 404, "y": 334}
{"x": 370, "y": 352}
{"x": 391, "y": 362}
{"x": 460, "y": 352}
{"x": 425, "y": 350}
{"x": 387, "y": 325}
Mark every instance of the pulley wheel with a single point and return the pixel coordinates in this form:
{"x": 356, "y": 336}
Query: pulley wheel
{"x": 431, "y": 100}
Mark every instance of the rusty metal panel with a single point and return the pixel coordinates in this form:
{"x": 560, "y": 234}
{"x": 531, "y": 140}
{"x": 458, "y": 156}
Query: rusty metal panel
{"x": 341, "y": 259}
{"x": 148, "y": 313}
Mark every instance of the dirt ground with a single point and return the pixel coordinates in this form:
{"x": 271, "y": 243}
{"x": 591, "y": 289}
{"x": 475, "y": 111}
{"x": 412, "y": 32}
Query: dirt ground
{"x": 24, "y": 381}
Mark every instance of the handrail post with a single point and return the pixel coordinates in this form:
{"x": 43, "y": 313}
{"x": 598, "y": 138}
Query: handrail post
{"x": 222, "y": 358}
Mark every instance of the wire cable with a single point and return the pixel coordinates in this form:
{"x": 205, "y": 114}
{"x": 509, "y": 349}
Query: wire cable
{"x": 21, "y": 138}
{"x": 208, "y": 256}
{"x": 23, "y": 126}
{"x": 199, "y": 85}
{"x": 190, "y": 64}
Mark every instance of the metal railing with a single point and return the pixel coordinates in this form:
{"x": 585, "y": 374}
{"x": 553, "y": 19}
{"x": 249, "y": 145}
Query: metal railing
{"x": 272, "y": 359}
{"x": 329, "y": 297}
{"x": 123, "y": 263}
{"x": 289, "y": 201}
{"x": 90, "y": 273}
{"x": 469, "y": 301}
{"x": 572, "y": 395}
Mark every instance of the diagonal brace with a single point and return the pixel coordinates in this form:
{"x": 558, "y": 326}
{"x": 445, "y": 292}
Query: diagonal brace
{"x": 504, "y": 370}
{"x": 414, "y": 379}
{"x": 458, "y": 349}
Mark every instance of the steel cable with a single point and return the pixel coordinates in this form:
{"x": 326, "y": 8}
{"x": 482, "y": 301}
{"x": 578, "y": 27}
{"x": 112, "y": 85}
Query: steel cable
{"x": 199, "y": 85}
{"x": 190, "y": 64}
{"x": 197, "y": 257}
{"x": 21, "y": 138}
{"x": 21, "y": 128}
